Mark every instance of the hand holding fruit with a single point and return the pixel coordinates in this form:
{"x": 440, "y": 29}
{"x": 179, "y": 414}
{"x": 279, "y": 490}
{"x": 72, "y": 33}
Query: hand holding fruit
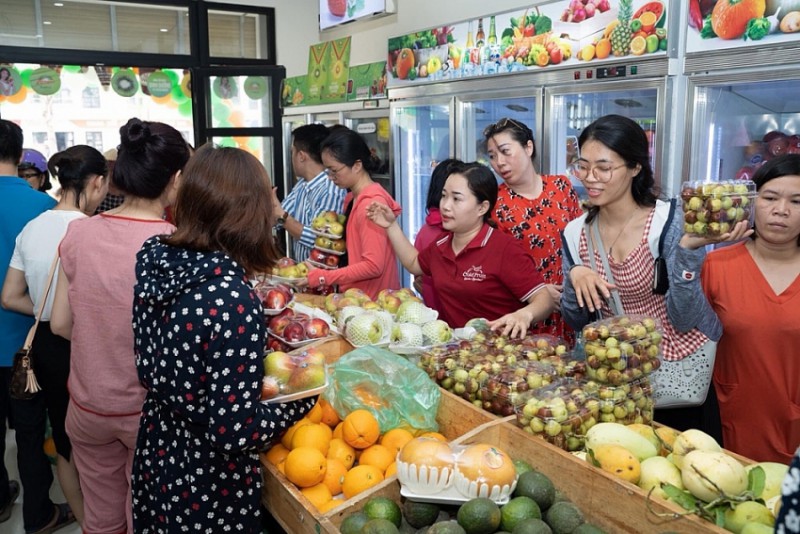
{"x": 381, "y": 214}
{"x": 590, "y": 288}
{"x": 739, "y": 231}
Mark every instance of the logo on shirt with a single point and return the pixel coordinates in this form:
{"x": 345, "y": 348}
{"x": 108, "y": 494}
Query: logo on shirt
{"x": 474, "y": 274}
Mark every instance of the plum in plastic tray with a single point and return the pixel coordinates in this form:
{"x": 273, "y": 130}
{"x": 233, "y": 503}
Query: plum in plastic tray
{"x": 711, "y": 209}
{"x": 622, "y": 348}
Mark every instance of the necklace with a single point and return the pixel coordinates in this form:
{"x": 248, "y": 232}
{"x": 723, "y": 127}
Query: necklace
{"x": 619, "y": 234}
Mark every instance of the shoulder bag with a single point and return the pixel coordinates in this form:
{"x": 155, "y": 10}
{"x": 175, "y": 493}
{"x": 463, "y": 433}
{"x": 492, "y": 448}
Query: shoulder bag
{"x": 24, "y": 385}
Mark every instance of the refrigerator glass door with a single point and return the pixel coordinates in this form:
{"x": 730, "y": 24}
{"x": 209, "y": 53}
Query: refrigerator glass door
{"x": 374, "y": 128}
{"x": 478, "y": 114}
{"x": 738, "y": 125}
{"x": 570, "y": 112}
{"x": 421, "y": 135}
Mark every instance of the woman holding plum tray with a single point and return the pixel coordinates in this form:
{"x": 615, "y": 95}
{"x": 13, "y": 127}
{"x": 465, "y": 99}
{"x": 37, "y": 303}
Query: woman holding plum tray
{"x": 199, "y": 342}
{"x": 372, "y": 265}
{"x": 754, "y": 289}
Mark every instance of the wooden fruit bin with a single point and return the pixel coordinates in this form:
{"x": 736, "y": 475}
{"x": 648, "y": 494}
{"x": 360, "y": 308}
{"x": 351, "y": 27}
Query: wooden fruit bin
{"x": 296, "y": 514}
{"x": 611, "y": 503}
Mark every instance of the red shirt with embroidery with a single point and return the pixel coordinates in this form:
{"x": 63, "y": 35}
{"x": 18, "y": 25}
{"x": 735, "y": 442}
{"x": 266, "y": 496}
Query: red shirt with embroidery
{"x": 537, "y": 224}
{"x": 477, "y": 281}
{"x": 634, "y": 280}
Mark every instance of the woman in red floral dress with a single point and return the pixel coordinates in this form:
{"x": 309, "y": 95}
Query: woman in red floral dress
{"x": 532, "y": 207}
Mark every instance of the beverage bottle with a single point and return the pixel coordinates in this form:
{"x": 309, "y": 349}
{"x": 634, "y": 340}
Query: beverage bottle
{"x": 492, "y": 32}
{"x": 470, "y": 42}
{"x": 480, "y": 37}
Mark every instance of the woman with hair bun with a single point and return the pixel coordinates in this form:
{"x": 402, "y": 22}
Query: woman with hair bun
{"x": 371, "y": 263}
{"x": 82, "y": 173}
{"x": 93, "y": 308}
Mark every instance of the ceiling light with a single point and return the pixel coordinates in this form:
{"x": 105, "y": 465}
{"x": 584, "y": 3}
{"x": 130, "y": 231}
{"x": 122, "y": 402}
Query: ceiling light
{"x": 164, "y": 30}
{"x": 47, "y": 23}
{"x": 59, "y": 4}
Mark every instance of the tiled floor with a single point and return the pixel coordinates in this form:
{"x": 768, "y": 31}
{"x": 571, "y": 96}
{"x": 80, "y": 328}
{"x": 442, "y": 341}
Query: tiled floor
{"x": 14, "y": 525}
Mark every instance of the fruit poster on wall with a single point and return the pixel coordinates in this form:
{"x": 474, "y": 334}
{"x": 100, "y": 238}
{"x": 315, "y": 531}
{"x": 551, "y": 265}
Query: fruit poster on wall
{"x": 367, "y": 81}
{"x": 338, "y": 62}
{"x": 317, "y": 72}
{"x": 293, "y": 92}
{"x": 566, "y": 32}
{"x": 725, "y": 24}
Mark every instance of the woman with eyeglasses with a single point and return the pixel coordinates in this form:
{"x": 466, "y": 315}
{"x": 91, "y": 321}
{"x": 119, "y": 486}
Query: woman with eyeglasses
{"x": 82, "y": 173}
{"x": 469, "y": 262}
{"x": 33, "y": 169}
{"x": 371, "y": 263}
{"x": 533, "y": 208}
{"x": 614, "y": 167}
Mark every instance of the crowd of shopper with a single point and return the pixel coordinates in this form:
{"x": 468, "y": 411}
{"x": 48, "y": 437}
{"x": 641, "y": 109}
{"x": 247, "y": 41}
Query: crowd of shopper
{"x": 149, "y": 347}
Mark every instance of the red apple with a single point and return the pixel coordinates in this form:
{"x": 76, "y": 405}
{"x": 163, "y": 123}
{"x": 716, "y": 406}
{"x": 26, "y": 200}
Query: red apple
{"x": 294, "y": 331}
{"x": 278, "y": 323}
{"x": 778, "y": 145}
{"x": 332, "y": 261}
{"x": 286, "y": 262}
{"x": 317, "y": 328}
{"x": 275, "y": 344}
{"x": 317, "y": 255}
{"x": 338, "y": 245}
{"x": 275, "y": 299}
{"x": 774, "y": 134}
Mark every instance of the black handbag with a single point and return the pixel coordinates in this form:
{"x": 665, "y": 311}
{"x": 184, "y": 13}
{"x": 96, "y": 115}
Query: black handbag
{"x": 24, "y": 385}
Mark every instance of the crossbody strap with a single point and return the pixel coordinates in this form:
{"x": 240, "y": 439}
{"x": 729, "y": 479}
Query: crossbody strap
{"x": 666, "y": 227}
{"x": 32, "y": 331}
{"x": 593, "y": 234}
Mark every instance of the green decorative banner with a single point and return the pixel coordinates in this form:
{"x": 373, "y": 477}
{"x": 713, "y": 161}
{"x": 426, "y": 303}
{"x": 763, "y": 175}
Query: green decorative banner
{"x": 367, "y": 81}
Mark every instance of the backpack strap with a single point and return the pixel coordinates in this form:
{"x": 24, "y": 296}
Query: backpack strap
{"x": 672, "y": 203}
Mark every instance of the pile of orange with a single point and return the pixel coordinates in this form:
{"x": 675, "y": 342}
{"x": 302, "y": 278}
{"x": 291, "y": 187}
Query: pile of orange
{"x": 331, "y": 459}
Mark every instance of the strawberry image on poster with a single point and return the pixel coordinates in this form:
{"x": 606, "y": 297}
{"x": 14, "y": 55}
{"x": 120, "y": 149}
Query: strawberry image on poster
{"x": 337, "y": 7}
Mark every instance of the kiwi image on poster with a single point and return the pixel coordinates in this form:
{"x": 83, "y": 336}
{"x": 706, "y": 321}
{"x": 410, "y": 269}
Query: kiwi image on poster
{"x": 124, "y": 82}
{"x": 255, "y": 87}
{"x": 45, "y": 81}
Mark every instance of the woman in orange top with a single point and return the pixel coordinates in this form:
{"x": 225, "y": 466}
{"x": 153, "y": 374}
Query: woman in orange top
{"x": 532, "y": 207}
{"x": 754, "y": 289}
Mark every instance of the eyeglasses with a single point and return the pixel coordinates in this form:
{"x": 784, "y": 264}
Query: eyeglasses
{"x": 504, "y": 124}
{"x": 334, "y": 172}
{"x": 29, "y": 175}
{"x": 601, "y": 173}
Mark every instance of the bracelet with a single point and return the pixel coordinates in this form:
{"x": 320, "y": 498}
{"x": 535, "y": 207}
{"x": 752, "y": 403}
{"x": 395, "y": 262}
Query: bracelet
{"x": 321, "y": 280}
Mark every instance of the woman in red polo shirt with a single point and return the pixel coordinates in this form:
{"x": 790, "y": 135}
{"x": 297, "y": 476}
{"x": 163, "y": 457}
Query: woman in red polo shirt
{"x": 477, "y": 271}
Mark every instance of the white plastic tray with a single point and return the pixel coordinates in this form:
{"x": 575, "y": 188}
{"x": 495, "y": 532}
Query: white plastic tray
{"x": 324, "y": 234}
{"x": 296, "y": 396}
{"x": 322, "y": 265}
{"x": 330, "y": 251}
{"x": 298, "y": 344}
{"x": 449, "y": 495}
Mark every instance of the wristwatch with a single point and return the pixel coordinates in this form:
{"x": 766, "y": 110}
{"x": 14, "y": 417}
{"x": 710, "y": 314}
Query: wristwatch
{"x": 282, "y": 219}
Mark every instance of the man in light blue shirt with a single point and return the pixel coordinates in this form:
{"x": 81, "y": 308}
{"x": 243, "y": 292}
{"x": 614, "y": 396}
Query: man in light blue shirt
{"x": 19, "y": 203}
{"x": 313, "y": 193}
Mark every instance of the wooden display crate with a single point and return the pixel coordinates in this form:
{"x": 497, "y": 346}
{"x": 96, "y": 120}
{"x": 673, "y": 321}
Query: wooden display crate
{"x": 296, "y": 514}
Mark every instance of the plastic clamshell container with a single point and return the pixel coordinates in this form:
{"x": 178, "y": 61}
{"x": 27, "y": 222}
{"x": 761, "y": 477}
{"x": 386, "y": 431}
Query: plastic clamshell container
{"x": 622, "y": 348}
{"x": 625, "y": 404}
{"x": 711, "y": 209}
{"x": 560, "y": 413}
{"x": 499, "y": 393}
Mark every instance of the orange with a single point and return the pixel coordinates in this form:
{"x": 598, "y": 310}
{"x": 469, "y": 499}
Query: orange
{"x": 638, "y": 45}
{"x": 603, "y": 48}
{"x": 286, "y": 440}
{"x": 330, "y": 505}
{"x": 434, "y": 435}
{"x": 316, "y": 435}
{"x": 337, "y": 431}
{"x": 334, "y": 476}
{"x": 396, "y": 438}
{"x": 360, "y": 429}
{"x": 377, "y": 455}
{"x": 339, "y": 450}
{"x": 277, "y": 454}
{"x": 319, "y": 495}
{"x": 391, "y": 470}
{"x": 282, "y": 466}
{"x": 315, "y": 414}
{"x": 329, "y": 415}
{"x": 361, "y": 478}
{"x": 305, "y": 466}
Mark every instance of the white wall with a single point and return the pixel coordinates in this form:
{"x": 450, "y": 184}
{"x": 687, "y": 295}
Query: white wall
{"x": 297, "y": 25}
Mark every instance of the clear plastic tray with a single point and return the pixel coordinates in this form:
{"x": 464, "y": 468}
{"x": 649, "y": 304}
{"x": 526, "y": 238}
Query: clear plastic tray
{"x": 330, "y": 251}
{"x": 296, "y": 395}
{"x": 325, "y": 234}
{"x": 322, "y": 265}
{"x": 298, "y": 344}
{"x": 290, "y": 281}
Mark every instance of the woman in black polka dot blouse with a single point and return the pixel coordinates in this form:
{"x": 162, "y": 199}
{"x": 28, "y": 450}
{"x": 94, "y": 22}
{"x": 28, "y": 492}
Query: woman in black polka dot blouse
{"x": 199, "y": 341}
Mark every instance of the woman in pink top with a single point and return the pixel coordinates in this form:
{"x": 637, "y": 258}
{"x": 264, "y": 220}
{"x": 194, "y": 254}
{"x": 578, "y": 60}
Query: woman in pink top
{"x": 432, "y": 228}
{"x": 372, "y": 265}
{"x": 92, "y": 306}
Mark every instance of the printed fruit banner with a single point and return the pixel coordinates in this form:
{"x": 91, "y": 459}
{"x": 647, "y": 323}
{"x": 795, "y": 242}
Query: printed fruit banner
{"x": 565, "y": 32}
{"x": 367, "y": 81}
{"x": 317, "y": 72}
{"x": 723, "y": 24}
{"x": 293, "y": 91}
{"x": 328, "y": 69}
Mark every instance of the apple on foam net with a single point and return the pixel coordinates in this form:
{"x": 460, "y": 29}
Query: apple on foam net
{"x": 338, "y": 245}
{"x": 280, "y": 365}
{"x": 317, "y": 328}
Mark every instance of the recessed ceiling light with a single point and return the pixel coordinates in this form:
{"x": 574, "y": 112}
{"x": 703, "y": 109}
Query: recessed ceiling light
{"x": 164, "y": 30}
{"x": 47, "y": 23}
{"x": 59, "y": 4}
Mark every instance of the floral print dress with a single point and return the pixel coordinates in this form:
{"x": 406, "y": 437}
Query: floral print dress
{"x": 788, "y": 521}
{"x": 537, "y": 224}
{"x": 199, "y": 343}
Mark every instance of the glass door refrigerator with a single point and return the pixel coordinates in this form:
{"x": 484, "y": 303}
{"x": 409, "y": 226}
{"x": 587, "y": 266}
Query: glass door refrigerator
{"x": 421, "y": 134}
{"x": 571, "y": 108}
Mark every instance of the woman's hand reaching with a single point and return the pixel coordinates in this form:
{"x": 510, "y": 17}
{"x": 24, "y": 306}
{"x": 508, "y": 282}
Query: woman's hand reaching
{"x": 590, "y": 288}
{"x": 381, "y": 214}
{"x": 514, "y": 325}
